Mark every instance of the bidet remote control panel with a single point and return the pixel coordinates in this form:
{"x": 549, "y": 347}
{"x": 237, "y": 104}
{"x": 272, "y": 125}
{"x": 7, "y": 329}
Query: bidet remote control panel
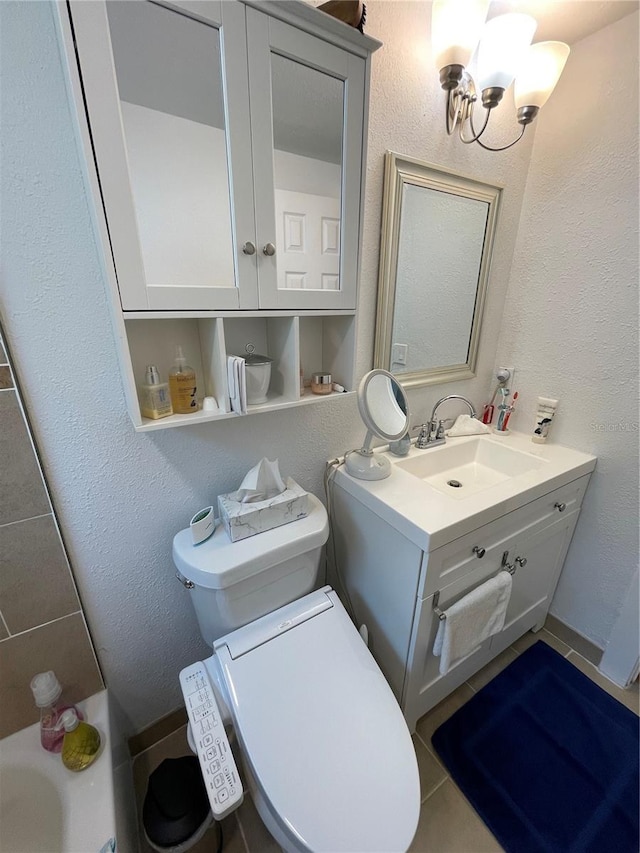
{"x": 218, "y": 766}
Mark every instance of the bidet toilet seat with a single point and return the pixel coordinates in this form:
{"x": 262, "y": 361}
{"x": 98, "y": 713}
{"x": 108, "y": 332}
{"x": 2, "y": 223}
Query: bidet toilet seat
{"x": 320, "y": 730}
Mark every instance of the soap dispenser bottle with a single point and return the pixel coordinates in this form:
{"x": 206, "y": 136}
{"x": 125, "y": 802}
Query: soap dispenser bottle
{"x": 154, "y": 395}
{"x": 81, "y": 742}
{"x": 182, "y": 384}
{"x": 47, "y": 693}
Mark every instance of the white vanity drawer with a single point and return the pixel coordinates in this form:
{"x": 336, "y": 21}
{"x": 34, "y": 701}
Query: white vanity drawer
{"x": 458, "y": 559}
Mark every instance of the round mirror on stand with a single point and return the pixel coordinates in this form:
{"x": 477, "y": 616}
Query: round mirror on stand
{"x": 384, "y": 409}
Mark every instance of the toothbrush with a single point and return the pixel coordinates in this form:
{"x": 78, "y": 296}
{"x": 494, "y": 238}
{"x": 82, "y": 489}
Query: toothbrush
{"x": 510, "y": 412}
{"x": 487, "y": 413}
{"x": 503, "y": 408}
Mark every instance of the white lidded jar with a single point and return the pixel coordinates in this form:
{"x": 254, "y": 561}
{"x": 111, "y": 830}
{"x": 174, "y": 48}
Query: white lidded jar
{"x": 257, "y": 374}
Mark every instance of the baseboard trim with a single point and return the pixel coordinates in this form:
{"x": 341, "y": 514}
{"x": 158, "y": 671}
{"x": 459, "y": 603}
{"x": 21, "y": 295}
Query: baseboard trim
{"x": 157, "y": 731}
{"x": 572, "y": 638}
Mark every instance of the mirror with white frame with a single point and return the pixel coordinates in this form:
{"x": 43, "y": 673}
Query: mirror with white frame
{"x": 437, "y": 238}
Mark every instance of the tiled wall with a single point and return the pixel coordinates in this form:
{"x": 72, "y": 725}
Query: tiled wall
{"x": 41, "y": 621}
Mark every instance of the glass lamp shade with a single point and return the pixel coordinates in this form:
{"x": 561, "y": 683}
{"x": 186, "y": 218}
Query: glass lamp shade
{"x": 540, "y": 72}
{"x": 455, "y": 29}
{"x": 502, "y": 49}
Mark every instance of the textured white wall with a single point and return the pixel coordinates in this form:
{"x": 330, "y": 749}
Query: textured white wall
{"x": 571, "y": 318}
{"x": 121, "y": 496}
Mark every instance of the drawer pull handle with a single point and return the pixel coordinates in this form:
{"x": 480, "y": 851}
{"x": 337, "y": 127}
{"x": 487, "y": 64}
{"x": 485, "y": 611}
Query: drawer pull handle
{"x": 559, "y": 506}
{"x": 248, "y": 248}
{"x": 521, "y": 561}
{"x": 478, "y": 551}
{"x": 269, "y": 249}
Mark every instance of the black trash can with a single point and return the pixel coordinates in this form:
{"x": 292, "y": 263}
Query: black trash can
{"x": 176, "y": 811}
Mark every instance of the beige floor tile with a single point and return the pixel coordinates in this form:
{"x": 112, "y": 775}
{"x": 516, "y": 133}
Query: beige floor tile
{"x": 629, "y": 697}
{"x": 174, "y": 746}
{"x": 256, "y": 835}
{"x": 448, "y": 824}
{"x": 427, "y": 725}
{"x": 489, "y": 672}
{"x": 429, "y": 768}
{"x": 528, "y": 639}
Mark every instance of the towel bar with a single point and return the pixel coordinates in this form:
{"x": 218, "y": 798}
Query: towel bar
{"x": 436, "y": 596}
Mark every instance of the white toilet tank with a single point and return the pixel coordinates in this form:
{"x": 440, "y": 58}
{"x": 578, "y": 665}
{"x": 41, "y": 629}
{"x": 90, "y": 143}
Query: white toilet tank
{"x": 237, "y": 582}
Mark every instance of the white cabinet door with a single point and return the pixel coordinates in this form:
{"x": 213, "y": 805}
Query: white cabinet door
{"x": 307, "y": 107}
{"x": 535, "y": 581}
{"x": 166, "y": 92}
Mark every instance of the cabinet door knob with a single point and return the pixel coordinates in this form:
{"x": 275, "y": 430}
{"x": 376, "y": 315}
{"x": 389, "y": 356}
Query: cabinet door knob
{"x": 248, "y": 248}
{"x": 559, "y": 506}
{"x": 478, "y": 551}
{"x": 269, "y": 249}
{"x": 521, "y": 561}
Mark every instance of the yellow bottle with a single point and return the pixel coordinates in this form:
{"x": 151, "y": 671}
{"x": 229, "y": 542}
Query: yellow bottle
{"x": 182, "y": 385}
{"x": 81, "y": 742}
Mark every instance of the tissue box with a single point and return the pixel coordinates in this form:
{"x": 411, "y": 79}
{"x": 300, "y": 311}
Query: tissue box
{"x": 246, "y": 519}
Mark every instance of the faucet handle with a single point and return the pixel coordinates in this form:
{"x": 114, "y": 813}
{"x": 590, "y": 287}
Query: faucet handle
{"x": 424, "y": 436}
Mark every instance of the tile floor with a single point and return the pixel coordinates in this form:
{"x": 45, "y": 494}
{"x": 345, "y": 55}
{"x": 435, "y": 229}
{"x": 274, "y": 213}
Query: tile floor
{"x": 448, "y": 823}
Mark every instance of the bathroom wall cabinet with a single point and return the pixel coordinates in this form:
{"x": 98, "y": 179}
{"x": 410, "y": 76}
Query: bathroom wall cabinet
{"x": 394, "y": 585}
{"x": 225, "y": 144}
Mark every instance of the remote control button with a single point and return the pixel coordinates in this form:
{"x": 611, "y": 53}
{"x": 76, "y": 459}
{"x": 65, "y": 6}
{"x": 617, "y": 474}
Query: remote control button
{"x": 223, "y": 795}
{"x": 218, "y": 780}
{"x": 207, "y": 739}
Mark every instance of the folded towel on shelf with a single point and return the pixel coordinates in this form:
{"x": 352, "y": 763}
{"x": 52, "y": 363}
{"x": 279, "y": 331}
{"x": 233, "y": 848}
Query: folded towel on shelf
{"x": 466, "y": 425}
{"x": 476, "y": 616}
{"x": 237, "y": 384}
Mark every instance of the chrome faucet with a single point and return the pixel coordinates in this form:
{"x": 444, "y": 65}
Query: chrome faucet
{"x": 432, "y": 433}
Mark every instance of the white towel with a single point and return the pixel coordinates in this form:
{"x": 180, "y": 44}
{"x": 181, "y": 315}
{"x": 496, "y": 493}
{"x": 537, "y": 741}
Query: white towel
{"x": 466, "y": 425}
{"x": 480, "y": 614}
{"x": 237, "y": 384}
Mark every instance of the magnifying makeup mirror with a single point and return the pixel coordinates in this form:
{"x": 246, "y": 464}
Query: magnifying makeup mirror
{"x": 384, "y": 409}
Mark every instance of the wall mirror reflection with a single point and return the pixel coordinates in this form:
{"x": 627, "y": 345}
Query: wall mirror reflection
{"x": 308, "y": 115}
{"x": 435, "y": 255}
{"x": 170, "y": 87}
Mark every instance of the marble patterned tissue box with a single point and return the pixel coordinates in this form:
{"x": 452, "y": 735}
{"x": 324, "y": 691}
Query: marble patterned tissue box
{"x": 243, "y": 520}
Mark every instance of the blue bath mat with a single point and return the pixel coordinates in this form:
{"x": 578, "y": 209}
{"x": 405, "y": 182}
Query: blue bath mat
{"x": 547, "y": 758}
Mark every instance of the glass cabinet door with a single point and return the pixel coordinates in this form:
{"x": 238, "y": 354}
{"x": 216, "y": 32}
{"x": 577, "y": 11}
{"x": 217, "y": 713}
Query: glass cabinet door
{"x": 171, "y": 137}
{"x": 306, "y": 107}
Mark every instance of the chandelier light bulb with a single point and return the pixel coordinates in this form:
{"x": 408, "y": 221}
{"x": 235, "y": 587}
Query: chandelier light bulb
{"x": 455, "y": 29}
{"x": 503, "y": 45}
{"x": 540, "y": 72}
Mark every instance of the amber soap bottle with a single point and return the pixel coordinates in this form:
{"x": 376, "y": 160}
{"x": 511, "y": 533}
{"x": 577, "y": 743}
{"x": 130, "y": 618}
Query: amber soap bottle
{"x": 182, "y": 386}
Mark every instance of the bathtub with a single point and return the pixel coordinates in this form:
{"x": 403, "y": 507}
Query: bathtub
{"x": 45, "y": 808}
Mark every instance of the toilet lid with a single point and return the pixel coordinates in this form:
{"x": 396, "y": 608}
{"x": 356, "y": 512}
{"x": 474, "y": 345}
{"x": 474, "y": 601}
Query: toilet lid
{"x": 321, "y": 729}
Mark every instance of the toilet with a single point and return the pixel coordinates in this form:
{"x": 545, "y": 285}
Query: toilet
{"x": 326, "y": 752}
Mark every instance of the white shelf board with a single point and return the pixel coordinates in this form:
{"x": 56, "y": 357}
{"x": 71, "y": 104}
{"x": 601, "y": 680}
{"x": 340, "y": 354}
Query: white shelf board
{"x": 237, "y": 315}
{"x": 270, "y": 406}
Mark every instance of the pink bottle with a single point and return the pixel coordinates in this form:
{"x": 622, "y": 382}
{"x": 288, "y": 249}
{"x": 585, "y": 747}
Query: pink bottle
{"x": 47, "y": 693}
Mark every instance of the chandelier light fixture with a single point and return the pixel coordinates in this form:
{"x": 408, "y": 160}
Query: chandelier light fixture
{"x": 503, "y": 52}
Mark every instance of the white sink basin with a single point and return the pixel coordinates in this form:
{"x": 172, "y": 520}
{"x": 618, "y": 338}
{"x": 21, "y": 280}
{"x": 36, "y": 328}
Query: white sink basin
{"x": 460, "y": 470}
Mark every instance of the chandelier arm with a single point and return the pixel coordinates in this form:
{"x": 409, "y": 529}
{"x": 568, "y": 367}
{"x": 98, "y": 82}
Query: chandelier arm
{"x": 504, "y": 147}
{"x": 476, "y": 136}
{"x": 451, "y": 103}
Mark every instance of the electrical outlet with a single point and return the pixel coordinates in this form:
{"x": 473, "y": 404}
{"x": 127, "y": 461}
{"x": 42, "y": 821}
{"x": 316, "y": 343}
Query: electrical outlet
{"x": 510, "y": 381}
{"x": 399, "y": 353}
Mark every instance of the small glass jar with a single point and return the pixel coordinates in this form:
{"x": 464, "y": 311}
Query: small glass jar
{"x": 321, "y": 383}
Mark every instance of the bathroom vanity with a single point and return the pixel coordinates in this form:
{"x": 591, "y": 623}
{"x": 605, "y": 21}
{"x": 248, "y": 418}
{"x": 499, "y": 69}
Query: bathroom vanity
{"x": 412, "y": 542}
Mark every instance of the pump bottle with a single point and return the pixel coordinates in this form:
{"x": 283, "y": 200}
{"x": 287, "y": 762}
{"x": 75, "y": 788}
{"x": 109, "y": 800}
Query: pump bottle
{"x": 47, "y": 693}
{"x": 182, "y": 384}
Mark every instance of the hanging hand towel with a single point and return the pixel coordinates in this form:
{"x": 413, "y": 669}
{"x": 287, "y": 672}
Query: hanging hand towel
{"x": 237, "y": 384}
{"x": 472, "y": 619}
